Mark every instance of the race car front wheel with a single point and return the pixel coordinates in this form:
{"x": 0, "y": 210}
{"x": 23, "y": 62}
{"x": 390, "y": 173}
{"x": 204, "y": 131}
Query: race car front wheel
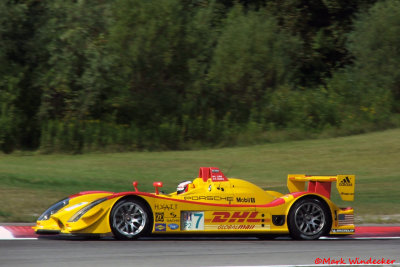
{"x": 130, "y": 219}
{"x": 308, "y": 219}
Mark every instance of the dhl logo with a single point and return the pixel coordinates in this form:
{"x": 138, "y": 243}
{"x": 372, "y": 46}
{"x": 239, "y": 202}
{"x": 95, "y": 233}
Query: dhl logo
{"x": 237, "y": 216}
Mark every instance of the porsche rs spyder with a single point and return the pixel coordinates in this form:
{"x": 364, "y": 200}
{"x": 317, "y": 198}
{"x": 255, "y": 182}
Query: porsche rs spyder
{"x": 209, "y": 204}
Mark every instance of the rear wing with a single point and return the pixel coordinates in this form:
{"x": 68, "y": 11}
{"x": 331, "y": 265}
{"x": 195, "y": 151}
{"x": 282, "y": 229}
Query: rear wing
{"x": 345, "y": 185}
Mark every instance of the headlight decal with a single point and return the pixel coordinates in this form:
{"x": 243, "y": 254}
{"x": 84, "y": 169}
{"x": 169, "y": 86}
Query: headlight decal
{"x": 53, "y": 209}
{"x": 82, "y": 211}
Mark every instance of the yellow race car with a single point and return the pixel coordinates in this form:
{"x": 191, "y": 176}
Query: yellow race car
{"x": 210, "y": 204}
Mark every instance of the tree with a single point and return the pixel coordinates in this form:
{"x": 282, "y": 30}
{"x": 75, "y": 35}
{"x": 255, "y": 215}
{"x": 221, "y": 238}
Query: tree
{"x": 19, "y": 97}
{"x": 148, "y": 37}
{"x": 253, "y": 57}
{"x": 375, "y": 44}
{"x": 322, "y": 25}
{"x": 73, "y": 70}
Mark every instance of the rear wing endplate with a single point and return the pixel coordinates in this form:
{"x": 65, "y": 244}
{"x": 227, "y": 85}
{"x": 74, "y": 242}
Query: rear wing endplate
{"x": 345, "y": 184}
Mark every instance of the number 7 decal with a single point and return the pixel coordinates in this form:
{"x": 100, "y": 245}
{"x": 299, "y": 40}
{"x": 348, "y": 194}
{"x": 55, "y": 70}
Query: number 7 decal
{"x": 200, "y": 215}
{"x": 192, "y": 220}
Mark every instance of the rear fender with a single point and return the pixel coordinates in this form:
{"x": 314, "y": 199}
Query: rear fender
{"x": 329, "y": 205}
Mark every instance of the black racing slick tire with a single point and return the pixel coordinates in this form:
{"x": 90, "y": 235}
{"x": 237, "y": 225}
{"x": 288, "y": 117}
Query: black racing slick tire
{"x": 130, "y": 219}
{"x": 309, "y": 219}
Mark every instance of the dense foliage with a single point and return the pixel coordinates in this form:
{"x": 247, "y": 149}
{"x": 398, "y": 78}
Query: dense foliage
{"x": 118, "y": 75}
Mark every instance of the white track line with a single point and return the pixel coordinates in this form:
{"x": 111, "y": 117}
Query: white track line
{"x": 15, "y": 238}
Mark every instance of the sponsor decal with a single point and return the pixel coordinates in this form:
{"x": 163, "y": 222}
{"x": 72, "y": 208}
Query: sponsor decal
{"x": 160, "y": 227}
{"x": 345, "y": 182}
{"x": 237, "y": 216}
{"x": 240, "y": 227}
{"x": 173, "y": 226}
{"x": 192, "y": 220}
{"x": 167, "y": 207}
{"x": 217, "y": 175}
{"x": 245, "y": 199}
{"x": 236, "y": 227}
{"x": 171, "y": 218}
{"x": 215, "y": 198}
{"x": 159, "y": 216}
{"x": 345, "y": 219}
{"x": 342, "y": 230}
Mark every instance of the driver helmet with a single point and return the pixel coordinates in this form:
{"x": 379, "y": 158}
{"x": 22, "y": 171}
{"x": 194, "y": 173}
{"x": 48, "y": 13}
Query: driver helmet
{"x": 183, "y": 187}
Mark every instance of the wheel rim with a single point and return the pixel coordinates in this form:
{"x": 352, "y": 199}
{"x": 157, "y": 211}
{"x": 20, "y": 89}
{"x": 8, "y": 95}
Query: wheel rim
{"x": 309, "y": 218}
{"x": 129, "y": 219}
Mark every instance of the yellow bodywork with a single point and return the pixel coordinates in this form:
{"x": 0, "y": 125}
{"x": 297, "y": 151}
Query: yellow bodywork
{"x": 345, "y": 184}
{"x": 208, "y": 206}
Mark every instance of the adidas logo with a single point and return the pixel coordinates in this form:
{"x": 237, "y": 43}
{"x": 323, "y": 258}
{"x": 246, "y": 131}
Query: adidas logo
{"x": 345, "y": 182}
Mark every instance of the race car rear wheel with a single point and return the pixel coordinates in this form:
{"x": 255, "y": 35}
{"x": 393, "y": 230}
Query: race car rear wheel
{"x": 130, "y": 219}
{"x": 308, "y": 219}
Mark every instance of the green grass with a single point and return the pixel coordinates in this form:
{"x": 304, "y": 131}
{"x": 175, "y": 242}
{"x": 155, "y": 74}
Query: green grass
{"x": 30, "y": 182}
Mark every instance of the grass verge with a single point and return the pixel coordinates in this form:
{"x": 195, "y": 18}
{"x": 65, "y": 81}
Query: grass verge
{"x": 31, "y": 182}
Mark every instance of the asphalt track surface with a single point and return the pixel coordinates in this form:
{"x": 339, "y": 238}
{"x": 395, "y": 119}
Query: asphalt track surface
{"x": 179, "y": 251}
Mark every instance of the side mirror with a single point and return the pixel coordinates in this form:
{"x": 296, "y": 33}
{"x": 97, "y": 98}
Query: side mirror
{"x": 156, "y": 186}
{"x": 135, "y": 186}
